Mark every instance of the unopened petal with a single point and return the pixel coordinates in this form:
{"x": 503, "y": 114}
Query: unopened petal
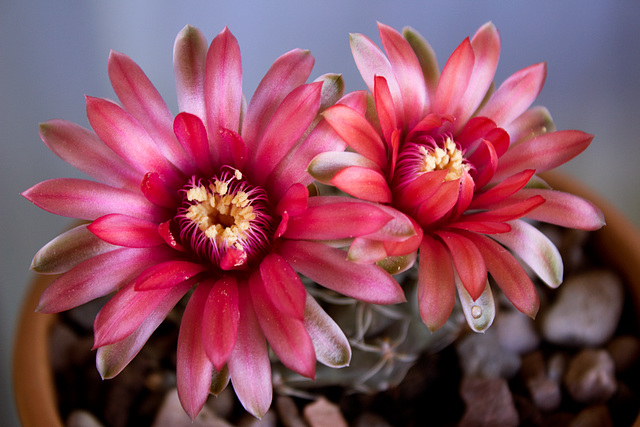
{"x": 329, "y": 342}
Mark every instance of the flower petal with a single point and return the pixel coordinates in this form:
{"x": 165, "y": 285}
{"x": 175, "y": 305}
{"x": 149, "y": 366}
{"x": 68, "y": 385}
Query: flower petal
{"x": 454, "y": 79}
{"x": 326, "y": 165}
{"x": 286, "y": 335}
{"x": 220, "y": 321}
{"x": 502, "y": 190}
{"x": 427, "y": 59}
{"x": 156, "y": 191}
{"x": 283, "y": 286}
{"x": 111, "y": 359}
{"x": 166, "y": 275}
{"x": 533, "y": 122}
{"x": 68, "y": 250}
{"x": 479, "y": 312}
{"x": 192, "y": 135}
{"x": 330, "y": 268}
{"x": 385, "y": 109}
{"x": 143, "y": 101}
{"x": 78, "y": 198}
{"x": 564, "y": 209}
{"x": 515, "y": 95}
{"x": 536, "y": 249}
{"x": 336, "y": 221}
{"x": 125, "y": 230}
{"x": 189, "y": 57}
{"x": 467, "y": 260}
{"x": 249, "y": 364}
{"x": 542, "y": 153}
{"x": 128, "y": 138}
{"x": 363, "y": 183}
{"x": 508, "y": 274}
{"x": 83, "y": 150}
{"x": 96, "y": 277}
{"x": 294, "y": 201}
{"x": 287, "y": 125}
{"x": 436, "y": 283}
{"x": 329, "y": 342}
{"x": 506, "y": 213}
{"x": 287, "y": 72}
{"x": 223, "y": 90}
{"x": 357, "y": 132}
{"x": 193, "y": 368}
{"x": 407, "y": 72}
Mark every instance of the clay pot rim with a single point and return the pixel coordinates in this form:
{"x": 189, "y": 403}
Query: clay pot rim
{"x": 33, "y": 383}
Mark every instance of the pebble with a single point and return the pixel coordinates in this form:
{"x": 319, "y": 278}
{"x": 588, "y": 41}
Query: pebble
{"x": 482, "y": 355}
{"x": 488, "y": 403}
{"x": 81, "y": 418}
{"x": 171, "y": 414}
{"x": 586, "y": 311}
{"x": 322, "y": 413}
{"x": 590, "y": 377}
{"x": 625, "y": 351}
{"x": 593, "y": 416}
{"x": 516, "y": 332}
{"x": 545, "y": 390}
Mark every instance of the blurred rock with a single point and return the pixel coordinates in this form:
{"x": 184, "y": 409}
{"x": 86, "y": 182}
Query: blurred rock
{"x": 481, "y": 355}
{"x": 586, "y": 310}
{"x": 80, "y": 418}
{"x": 516, "y": 331}
{"x": 488, "y": 403}
{"x": 590, "y": 377}
{"x": 625, "y": 351}
{"x": 593, "y": 416}
{"x": 322, "y": 413}
{"x": 171, "y": 414}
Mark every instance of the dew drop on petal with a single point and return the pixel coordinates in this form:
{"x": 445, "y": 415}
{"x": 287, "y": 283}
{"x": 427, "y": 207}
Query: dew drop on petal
{"x": 476, "y": 311}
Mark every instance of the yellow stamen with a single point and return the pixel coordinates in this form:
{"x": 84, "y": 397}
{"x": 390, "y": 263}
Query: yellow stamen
{"x": 450, "y": 157}
{"x": 221, "y": 216}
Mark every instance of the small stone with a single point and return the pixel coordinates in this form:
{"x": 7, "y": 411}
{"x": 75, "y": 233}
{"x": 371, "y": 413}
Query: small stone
{"x": 625, "y": 351}
{"x": 370, "y": 420}
{"x": 593, "y": 416}
{"x": 288, "y": 412}
{"x": 516, "y": 332}
{"x": 171, "y": 414}
{"x": 322, "y": 413}
{"x": 590, "y": 377}
{"x": 586, "y": 311}
{"x": 488, "y": 403}
{"x": 81, "y": 418}
{"x": 481, "y": 355}
{"x": 545, "y": 392}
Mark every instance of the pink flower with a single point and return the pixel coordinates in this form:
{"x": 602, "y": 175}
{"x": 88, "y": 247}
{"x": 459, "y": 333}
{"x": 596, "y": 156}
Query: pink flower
{"x": 212, "y": 204}
{"x": 460, "y": 159}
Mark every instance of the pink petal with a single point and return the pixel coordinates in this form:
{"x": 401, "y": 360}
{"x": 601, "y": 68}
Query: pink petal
{"x": 330, "y": 268}
{"x": 427, "y": 59}
{"x": 124, "y": 230}
{"x": 68, "y": 250}
{"x": 126, "y": 136}
{"x": 287, "y": 73}
{"x": 439, "y": 204}
{"x": 536, "y": 249}
{"x": 143, "y": 101}
{"x": 436, "y": 284}
{"x": 357, "y": 132}
{"x": 465, "y": 197}
{"x": 97, "y": 276}
{"x": 192, "y": 135}
{"x": 542, "y": 153}
{"x": 384, "y": 108}
{"x": 502, "y": 190}
{"x": 83, "y": 150}
{"x": 336, "y": 221}
{"x": 286, "y": 335}
{"x": 468, "y": 262}
{"x": 287, "y": 125}
{"x": 220, "y": 321}
{"x": 485, "y": 159}
{"x": 189, "y": 57}
{"x": 533, "y": 122}
{"x": 223, "y": 90}
{"x": 111, "y": 359}
{"x": 156, "y": 191}
{"x": 329, "y": 342}
{"x": 565, "y": 209}
{"x": 486, "y": 49}
{"x": 236, "y": 145}
{"x": 420, "y": 189}
{"x": 508, "y": 274}
{"x": 249, "y": 364}
{"x": 326, "y": 165}
{"x": 169, "y": 236}
{"x": 508, "y": 212}
{"x": 454, "y": 79}
{"x": 283, "y": 286}
{"x": 407, "y": 72}
{"x": 193, "y": 368}
{"x": 293, "y": 168}
{"x": 78, "y": 198}
{"x": 398, "y": 230}
{"x": 363, "y": 183}
{"x": 371, "y": 62}
{"x": 294, "y": 201}
{"x": 515, "y": 95}
{"x": 366, "y": 251}
{"x": 128, "y": 309}
{"x": 166, "y": 275}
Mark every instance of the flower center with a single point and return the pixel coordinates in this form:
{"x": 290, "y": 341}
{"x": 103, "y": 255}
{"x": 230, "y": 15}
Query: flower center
{"x": 448, "y": 156}
{"x": 225, "y": 219}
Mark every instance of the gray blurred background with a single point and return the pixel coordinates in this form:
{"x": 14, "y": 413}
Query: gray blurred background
{"x": 52, "y": 53}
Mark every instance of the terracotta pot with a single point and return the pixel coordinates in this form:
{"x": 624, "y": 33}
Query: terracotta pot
{"x": 618, "y": 243}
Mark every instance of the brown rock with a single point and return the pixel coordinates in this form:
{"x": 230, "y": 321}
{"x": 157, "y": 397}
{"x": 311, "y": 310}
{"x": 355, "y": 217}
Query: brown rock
{"x": 322, "y": 413}
{"x": 590, "y": 377}
{"x": 488, "y": 403}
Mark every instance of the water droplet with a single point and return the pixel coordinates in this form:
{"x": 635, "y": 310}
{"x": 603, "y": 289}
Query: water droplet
{"x": 476, "y": 311}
